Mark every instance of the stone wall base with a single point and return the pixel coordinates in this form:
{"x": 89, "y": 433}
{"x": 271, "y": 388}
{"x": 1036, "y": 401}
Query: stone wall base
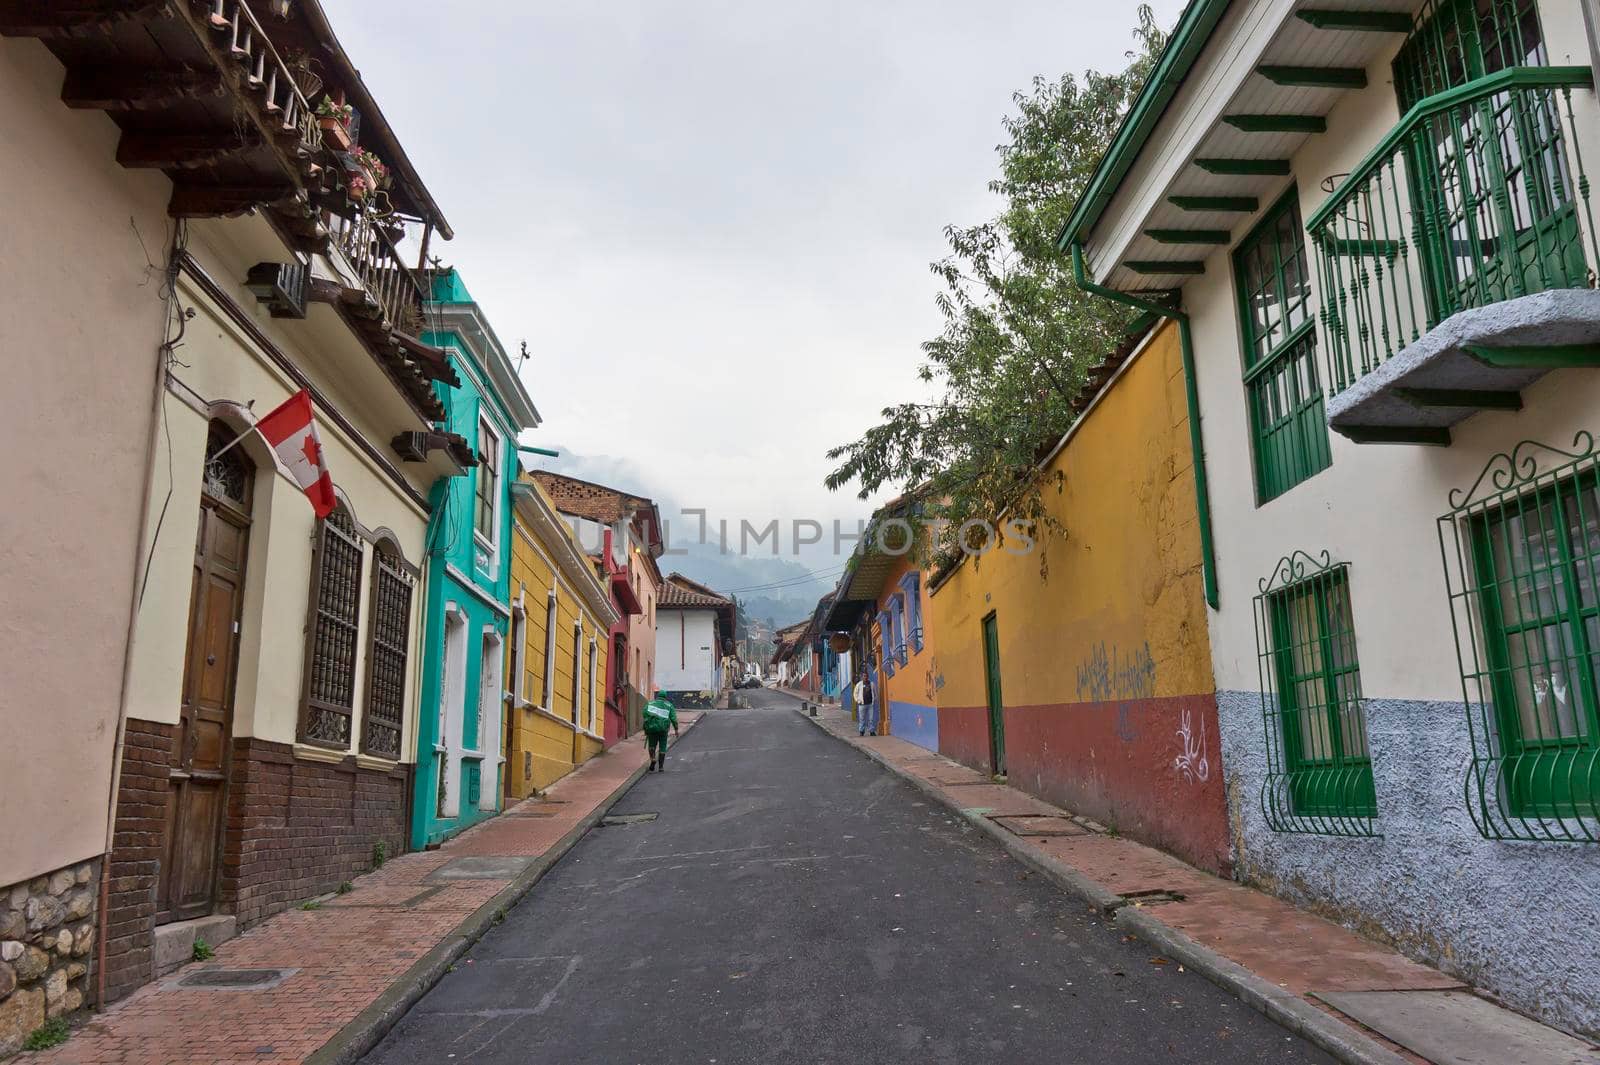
{"x": 46, "y": 939}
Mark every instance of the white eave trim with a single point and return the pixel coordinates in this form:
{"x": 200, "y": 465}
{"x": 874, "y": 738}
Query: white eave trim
{"x": 557, "y": 540}
{"x": 468, "y": 323}
{"x": 1230, "y": 58}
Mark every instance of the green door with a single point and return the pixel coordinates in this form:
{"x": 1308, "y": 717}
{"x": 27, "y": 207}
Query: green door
{"x": 997, "y": 721}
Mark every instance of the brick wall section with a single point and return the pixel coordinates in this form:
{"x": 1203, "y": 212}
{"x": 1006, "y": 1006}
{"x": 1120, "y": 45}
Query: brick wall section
{"x": 297, "y": 829}
{"x": 142, "y": 796}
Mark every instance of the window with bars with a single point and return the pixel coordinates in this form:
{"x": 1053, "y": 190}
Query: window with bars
{"x": 1523, "y": 565}
{"x": 1319, "y": 765}
{"x": 387, "y": 652}
{"x": 1501, "y": 219}
{"x": 328, "y": 702}
{"x": 1277, "y": 316}
{"x": 487, "y": 482}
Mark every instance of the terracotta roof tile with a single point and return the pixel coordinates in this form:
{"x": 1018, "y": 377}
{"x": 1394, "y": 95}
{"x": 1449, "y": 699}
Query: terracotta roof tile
{"x": 679, "y": 592}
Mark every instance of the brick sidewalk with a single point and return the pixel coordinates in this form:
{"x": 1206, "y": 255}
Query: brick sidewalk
{"x": 345, "y": 954}
{"x": 1282, "y": 945}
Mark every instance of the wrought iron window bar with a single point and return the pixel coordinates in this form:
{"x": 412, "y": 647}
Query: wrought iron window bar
{"x": 1319, "y": 765}
{"x": 1521, "y": 552}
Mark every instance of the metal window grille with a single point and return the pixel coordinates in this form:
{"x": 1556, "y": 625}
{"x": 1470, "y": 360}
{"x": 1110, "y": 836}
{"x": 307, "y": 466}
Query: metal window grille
{"x": 331, "y": 660}
{"x": 386, "y": 662}
{"x": 1521, "y": 550}
{"x": 1319, "y": 777}
{"x": 1278, "y": 319}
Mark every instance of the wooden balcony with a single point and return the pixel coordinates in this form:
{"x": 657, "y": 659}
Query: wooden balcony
{"x": 199, "y": 92}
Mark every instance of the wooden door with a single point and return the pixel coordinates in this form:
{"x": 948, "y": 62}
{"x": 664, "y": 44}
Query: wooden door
{"x": 197, "y": 776}
{"x": 997, "y": 720}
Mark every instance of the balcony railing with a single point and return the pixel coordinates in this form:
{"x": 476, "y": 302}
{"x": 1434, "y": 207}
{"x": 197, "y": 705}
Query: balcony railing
{"x": 1474, "y": 198}
{"x": 242, "y": 38}
{"x": 365, "y": 242}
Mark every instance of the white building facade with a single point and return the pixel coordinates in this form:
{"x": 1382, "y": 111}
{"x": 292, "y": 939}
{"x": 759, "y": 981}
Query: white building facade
{"x": 1378, "y": 230}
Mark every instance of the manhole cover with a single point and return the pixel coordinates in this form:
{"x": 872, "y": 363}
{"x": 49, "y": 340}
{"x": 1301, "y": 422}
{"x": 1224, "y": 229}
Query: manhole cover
{"x": 1038, "y": 825}
{"x": 626, "y": 819}
{"x": 234, "y": 979}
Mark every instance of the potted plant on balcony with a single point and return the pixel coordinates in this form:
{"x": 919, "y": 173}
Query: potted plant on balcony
{"x": 376, "y": 171}
{"x": 334, "y": 118}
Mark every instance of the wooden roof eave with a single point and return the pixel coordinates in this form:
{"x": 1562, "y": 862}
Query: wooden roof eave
{"x": 389, "y": 149}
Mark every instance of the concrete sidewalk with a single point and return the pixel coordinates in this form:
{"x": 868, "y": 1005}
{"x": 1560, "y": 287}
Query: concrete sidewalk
{"x": 352, "y": 964}
{"x": 1281, "y": 960}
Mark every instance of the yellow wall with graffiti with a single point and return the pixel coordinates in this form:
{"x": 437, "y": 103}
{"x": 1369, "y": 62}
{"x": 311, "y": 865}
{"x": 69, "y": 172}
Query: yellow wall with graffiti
{"x": 1115, "y": 590}
{"x": 1105, "y": 665}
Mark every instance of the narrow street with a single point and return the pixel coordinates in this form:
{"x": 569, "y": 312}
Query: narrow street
{"x": 793, "y": 902}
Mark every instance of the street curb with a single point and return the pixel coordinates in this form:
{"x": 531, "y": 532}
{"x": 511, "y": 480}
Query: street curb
{"x": 1285, "y": 1008}
{"x": 1288, "y": 1009}
{"x": 367, "y": 1029}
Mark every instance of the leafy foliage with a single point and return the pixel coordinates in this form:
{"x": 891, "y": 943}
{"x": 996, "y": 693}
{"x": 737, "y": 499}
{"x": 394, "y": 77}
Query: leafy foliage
{"x": 1018, "y": 334}
{"x": 51, "y": 1033}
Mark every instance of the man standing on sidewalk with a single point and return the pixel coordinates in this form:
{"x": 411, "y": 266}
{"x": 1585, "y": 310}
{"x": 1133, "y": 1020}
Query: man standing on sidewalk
{"x": 660, "y": 714}
{"x": 866, "y": 709}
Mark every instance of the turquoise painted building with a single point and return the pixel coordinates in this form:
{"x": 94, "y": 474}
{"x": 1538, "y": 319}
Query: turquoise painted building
{"x": 461, "y": 708}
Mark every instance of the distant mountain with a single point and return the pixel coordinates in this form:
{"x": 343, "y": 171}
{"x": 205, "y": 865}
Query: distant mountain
{"x": 782, "y": 589}
{"x": 777, "y": 588}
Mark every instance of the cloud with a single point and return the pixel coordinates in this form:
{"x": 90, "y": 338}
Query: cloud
{"x": 711, "y": 220}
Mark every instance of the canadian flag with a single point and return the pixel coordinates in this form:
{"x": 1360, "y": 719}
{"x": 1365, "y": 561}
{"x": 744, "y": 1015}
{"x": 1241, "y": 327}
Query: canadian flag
{"x": 293, "y": 435}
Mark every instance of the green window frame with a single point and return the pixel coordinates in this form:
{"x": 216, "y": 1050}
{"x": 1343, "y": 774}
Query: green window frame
{"x": 1521, "y": 553}
{"x": 1503, "y": 221}
{"x": 1288, "y": 428}
{"x": 1535, "y": 560}
{"x": 1319, "y": 755}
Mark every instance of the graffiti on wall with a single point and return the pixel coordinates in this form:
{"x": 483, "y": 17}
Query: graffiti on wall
{"x": 1192, "y": 761}
{"x": 1108, "y": 675}
{"x": 932, "y": 679}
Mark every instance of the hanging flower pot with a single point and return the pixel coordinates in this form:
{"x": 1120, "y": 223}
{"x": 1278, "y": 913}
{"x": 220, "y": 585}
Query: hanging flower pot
{"x": 839, "y": 642}
{"x": 335, "y": 133}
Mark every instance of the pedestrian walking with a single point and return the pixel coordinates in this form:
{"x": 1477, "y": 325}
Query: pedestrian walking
{"x": 660, "y": 714}
{"x": 866, "y": 708}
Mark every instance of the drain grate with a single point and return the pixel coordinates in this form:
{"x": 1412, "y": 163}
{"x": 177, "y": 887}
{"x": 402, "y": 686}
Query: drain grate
{"x": 627, "y": 819}
{"x": 1153, "y": 897}
{"x": 1039, "y": 825}
{"x": 234, "y": 979}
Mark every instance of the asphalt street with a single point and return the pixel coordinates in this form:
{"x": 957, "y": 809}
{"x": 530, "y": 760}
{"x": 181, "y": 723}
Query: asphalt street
{"x": 794, "y": 902}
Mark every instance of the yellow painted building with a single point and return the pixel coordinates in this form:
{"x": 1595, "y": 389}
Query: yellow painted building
{"x": 1100, "y": 667}
{"x": 561, "y": 618}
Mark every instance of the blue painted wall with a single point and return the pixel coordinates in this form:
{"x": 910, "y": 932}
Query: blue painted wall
{"x": 914, "y": 723}
{"x": 462, "y": 572}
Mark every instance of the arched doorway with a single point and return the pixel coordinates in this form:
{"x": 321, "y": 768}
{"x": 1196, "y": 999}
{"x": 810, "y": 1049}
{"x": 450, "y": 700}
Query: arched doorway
{"x": 198, "y": 769}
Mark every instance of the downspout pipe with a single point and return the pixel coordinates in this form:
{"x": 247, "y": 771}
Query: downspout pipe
{"x": 1202, "y": 488}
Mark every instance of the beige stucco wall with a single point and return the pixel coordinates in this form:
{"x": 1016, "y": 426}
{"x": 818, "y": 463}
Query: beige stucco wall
{"x": 1376, "y": 506}
{"x": 78, "y": 345}
{"x": 225, "y": 368}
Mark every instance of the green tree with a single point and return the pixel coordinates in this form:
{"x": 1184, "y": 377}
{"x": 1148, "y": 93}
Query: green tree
{"x": 1018, "y": 335}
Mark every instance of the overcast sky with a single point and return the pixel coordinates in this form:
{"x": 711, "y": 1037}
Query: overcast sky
{"x": 711, "y": 220}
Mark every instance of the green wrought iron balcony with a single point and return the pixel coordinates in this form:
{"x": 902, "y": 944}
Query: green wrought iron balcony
{"x": 1434, "y": 251}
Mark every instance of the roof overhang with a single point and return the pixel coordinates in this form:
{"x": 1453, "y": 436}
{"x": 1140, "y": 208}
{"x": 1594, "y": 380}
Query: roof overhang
{"x": 555, "y": 538}
{"x": 1240, "y": 87}
{"x": 466, "y": 321}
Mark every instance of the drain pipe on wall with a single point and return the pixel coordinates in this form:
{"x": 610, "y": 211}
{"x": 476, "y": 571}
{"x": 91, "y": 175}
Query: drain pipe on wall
{"x": 1202, "y": 489}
